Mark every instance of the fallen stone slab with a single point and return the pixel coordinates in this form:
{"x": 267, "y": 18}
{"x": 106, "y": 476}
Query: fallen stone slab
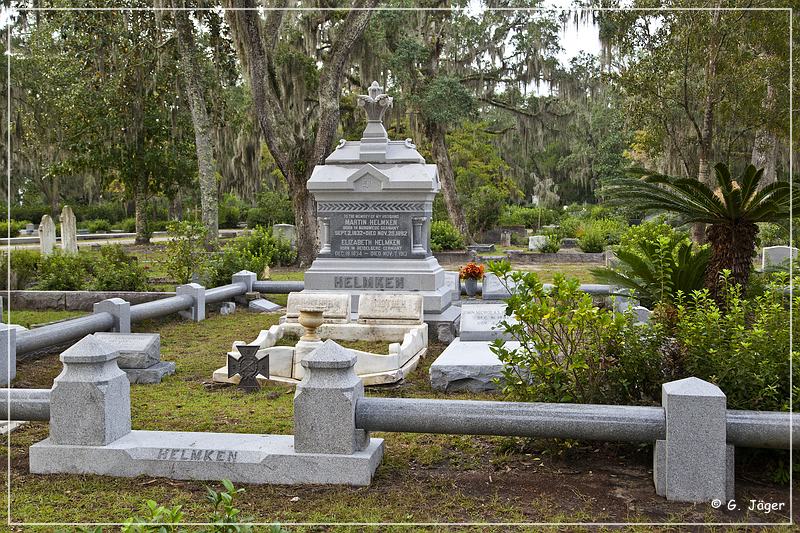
{"x": 152, "y": 374}
{"x": 263, "y": 305}
{"x": 467, "y": 366}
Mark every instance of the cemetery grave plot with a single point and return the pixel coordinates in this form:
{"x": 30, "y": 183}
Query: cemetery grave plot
{"x": 424, "y": 478}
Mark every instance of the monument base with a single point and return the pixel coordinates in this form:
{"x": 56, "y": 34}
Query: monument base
{"x": 443, "y": 327}
{"x": 241, "y": 458}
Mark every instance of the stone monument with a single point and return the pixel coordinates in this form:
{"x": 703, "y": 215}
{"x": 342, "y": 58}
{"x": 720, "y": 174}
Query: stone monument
{"x": 374, "y": 205}
{"x": 69, "y": 231}
{"x": 47, "y": 235}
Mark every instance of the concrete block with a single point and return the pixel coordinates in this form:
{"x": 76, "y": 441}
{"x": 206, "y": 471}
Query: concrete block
{"x": 694, "y": 454}
{"x": 246, "y": 277}
{"x": 8, "y": 354}
{"x": 325, "y": 403}
{"x": 120, "y": 310}
{"x": 90, "y": 400}
{"x": 197, "y": 313}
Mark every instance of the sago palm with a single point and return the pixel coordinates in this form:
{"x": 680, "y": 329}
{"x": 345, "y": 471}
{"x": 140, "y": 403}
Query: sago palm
{"x": 731, "y": 212}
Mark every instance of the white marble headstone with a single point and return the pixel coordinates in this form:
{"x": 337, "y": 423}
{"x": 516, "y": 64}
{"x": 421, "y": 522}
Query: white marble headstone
{"x": 390, "y": 308}
{"x": 481, "y": 322}
{"x": 335, "y": 306}
{"x": 47, "y": 235}
{"x": 777, "y": 256}
{"x": 69, "y": 231}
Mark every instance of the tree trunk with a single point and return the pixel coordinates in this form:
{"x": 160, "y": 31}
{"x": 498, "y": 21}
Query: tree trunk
{"x": 202, "y": 126}
{"x": 732, "y": 248}
{"x": 305, "y": 217}
{"x": 765, "y": 148}
{"x": 140, "y": 210}
{"x": 447, "y": 178}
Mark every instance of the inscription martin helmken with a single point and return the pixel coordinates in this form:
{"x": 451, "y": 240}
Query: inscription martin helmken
{"x": 189, "y": 454}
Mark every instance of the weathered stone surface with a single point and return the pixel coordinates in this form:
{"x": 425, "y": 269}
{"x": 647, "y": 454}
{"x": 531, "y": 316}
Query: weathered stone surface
{"x": 227, "y": 308}
{"x": 481, "y": 322}
{"x": 47, "y": 235}
{"x": 92, "y": 380}
{"x": 694, "y": 454}
{"x": 241, "y": 458}
{"x": 152, "y": 374}
{"x": 285, "y": 231}
{"x": 69, "y": 231}
{"x": 467, "y": 366}
{"x": 197, "y": 313}
{"x": 246, "y": 277}
{"x": 8, "y": 354}
{"x": 325, "y": 403}
{"x": 136, "y": 350}
{"x": 120, "y": 310}
{"x": 493, "y": 288}
{"x": 776, "y": 256}
{"x": 454, "y": 283}
{"x": 390, "y": 308}
{"x": 336, "y": 306}
{"x": 263, "y": 305}
{"x": 535, "y": 242}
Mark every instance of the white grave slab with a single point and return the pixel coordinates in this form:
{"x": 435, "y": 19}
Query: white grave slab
{"x": 481, "y": 322}
{"x": 773, "y": 256}
{"x": 390, "y": 308}
{"x": 467, "y": 366}
{"x": 336, "y": 306}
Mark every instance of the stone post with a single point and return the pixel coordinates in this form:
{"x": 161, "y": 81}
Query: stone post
{"x": 90, "y": 402}
{"x": 8, "y": 354}
{"x": 325, "y": 235}
{"x": 246, "y": 277}
{"x": 120, "y": 310}
{"x": 417, "y": 245}
{"x": 325, "y": 403}
{"x": 197, "y": 313}
{"x": 693, "y": 463}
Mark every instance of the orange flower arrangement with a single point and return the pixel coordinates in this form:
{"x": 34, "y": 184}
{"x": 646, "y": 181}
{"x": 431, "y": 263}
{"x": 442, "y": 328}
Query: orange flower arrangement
{"x": 471, "y": 271}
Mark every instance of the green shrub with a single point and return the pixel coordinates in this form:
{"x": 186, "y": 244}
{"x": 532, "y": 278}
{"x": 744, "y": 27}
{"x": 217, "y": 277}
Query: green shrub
{"x": 770, "y": 234}
{"x": 231, "y": 211}
{"x": 484, "y": 207}
{"x": 744, "y": 349}
{"x": 185, "y": 251}
{"x": 251, "y": 252}
{"x": 273, "y": 208}
{"x": 658, "y": 266}
{"x": 64, "y": 272}
{"x": 116, "y": 270}
{"x": 29, "y": 212}
{"x": 647, "y": 231}
{"x": 445, "y": 236}
{"x": 530, "y": 217}
{"x": 128, "y": 225}
{"x": 15, "y": 227}
{"x": 552, "y": 244}
{"x": 24, "y": 265}
{"x": 595, "y": 235}
{"x": 570, "y": 350}
{"x": 110, "y": 211}
{"x": 569, "y": 226}
{"x": 95, "y": 226}
{"x": 592, "y": 239}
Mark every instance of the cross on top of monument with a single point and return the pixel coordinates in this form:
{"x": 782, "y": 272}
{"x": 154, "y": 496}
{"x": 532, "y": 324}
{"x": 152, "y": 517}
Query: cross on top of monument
{"x": 375, "y": 103}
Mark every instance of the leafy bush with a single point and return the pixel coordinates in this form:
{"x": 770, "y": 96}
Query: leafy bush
{"x": 658, "y": 268}
{"x": 128, "y": 225}
{"x": 185, "y": 251}
{"x": 647, "y": 231}
{"x": 570, "y": 350}
{"x": 116, "y": 270}
{"x": 110, "y": 211}
{"x": 273, "y": 208}
{"x": 29, "y": 212}
{"x": 552, "y": 244}
{"x": 231, "y": 211}
{"x": 770, "y": 234}
{"x": 484, "y": 207}
{"x": 744, "y": 349}
{"x": 95, "y": 226}
{"x": 530, "y": 217}
{"x": 595, "y": 235}
{"x": 445, "y": 236}
{"x": 24, "y": 265}
{"x": 592, "y": 239}
{"x": 569, "y": 226}
{"x": 15, "y": 227}
{"x": 251, "y": 252}
{"x": 64, "y": 272}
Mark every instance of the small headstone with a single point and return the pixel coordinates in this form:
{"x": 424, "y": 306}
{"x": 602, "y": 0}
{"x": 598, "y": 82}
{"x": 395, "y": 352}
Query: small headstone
{"x": 263, "y": 305}
{"x": 69, "y": 231}
{"x": 493, "y": 288}
{"x": 139, "y": 356}
{"x": 390, "y": 308}
{"x": 481, "y": 247}
{"x": 248, "y": 366}
{"x": 285, "y": 231}
{"x": 481, "y": 322}
{"x": 227, "y": 308}
{"x": 47, "y": 235}
{"x": 336, "y": 306}
{"x": 505, "y": 238}
{"x": 535, "y": 242}
{"x": 777, "y": 256}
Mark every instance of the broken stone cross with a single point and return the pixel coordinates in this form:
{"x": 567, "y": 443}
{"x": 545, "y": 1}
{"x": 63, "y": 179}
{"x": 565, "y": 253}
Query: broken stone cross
{"x": 248, "y": 365}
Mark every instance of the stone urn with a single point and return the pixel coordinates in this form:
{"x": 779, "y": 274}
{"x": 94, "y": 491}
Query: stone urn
{"x": 471, "y": 286}
{"x": 310, "y": 318}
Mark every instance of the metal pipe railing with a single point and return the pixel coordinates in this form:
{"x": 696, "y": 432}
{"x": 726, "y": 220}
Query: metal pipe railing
{"x": 26, "y": 404}
{"x": 278, "y": 287}
{"x": 467, "y": 417}
{"x": 158, "y": 308}
{"x": 225, "y": 292}
{"x": 36, "y": 339}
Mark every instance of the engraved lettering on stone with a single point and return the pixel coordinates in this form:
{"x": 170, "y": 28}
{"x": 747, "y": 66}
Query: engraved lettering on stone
{"x": 369, "y": 282}
{"x": 190, "y": 454}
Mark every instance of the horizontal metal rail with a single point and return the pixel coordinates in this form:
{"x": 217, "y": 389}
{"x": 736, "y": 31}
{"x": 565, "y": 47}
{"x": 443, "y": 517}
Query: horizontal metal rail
{"x": 623, "y": 423}
{"x": 467, "y": 417}
{"x": 26, "y": 404}
{"x": 158, "y": 308}
{"x": 225, "y": 292}
{"x": 278, "y": 287}
{"x": 60, "y": 332}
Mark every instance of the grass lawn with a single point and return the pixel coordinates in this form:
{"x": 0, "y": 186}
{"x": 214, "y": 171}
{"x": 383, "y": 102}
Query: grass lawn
{"x": 423, "y": 478}
{"x": 24, "y": 317}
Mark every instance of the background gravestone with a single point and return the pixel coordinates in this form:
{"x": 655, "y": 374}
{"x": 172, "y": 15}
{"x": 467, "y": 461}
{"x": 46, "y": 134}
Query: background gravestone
{"x": 375, "y": 203}
{"x": 47, "y": 235}
{"x": 69, "y": 231}
{"x": 285, "y": 231}
{"x": 777, "y": 256}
